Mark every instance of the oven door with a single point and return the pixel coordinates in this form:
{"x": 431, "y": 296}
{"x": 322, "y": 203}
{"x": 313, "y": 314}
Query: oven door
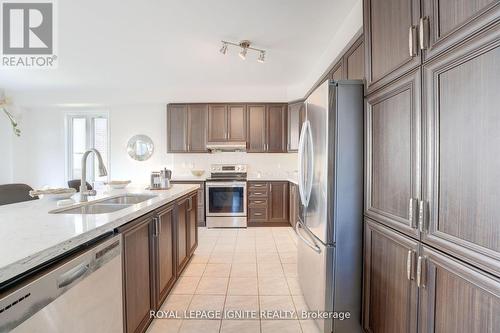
{"x": 226, "y": 198}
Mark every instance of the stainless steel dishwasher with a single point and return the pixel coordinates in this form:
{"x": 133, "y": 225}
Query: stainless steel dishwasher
{"x": 82, "y": 293}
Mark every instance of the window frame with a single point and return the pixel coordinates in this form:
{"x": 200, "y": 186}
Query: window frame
{"x": 89, "y": 117}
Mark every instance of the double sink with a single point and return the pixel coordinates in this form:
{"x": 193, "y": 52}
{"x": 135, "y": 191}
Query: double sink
{"x": 104, "y": 206}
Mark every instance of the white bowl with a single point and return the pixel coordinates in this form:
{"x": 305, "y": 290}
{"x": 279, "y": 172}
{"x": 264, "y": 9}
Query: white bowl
{"x": 58, "y": 196}
{"x": 197, "y": 172}
{"x": 118, "y": 184}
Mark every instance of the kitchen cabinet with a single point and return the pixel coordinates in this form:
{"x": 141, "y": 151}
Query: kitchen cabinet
{"x": 296, "y": 115}
{"x": 354, "y": 67}
{"x": 200, "y": 205}
{"x": 409, "y": 285}
{"x": 256, "y": 128}
{"x": 455, "y": 297}
{"x": 138, "y": 273}
{"x": 186, "y": 128}
{"x": 267, "y": 128}
{"x": 165, "y": 261}
{"x": 446, "y": 23}
{"x": 392, "y": 186}
{"x": 268, "y": 202}
{"x": 337, "y": 72}
{"x": 226, "y": 122}
{"x": 390, "y": 40}
{"x": 294, "y": 204}
{"x": 390, "y": 293}
{"x": 192, "y": 229}
{"x": 461, "y": 162}
{"x": 182, "y": 234}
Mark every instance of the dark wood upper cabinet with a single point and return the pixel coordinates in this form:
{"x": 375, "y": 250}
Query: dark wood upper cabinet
{"x": 390, "y": 293}
{"x": 138, "y": 273}
{"x": 449, "y": 22}
{"x": 454, "y": 297}
{"x": 392, "y": 154}
{"x": 217, "y": 123}
{"x": 295, "y": 118}
{"x": 278, "y": 202}
{"x": 276, "y": 128}
{"x": 354, "y": 61}
{"x": 236, "y": 122}
{"x": 337, "y": 72}
{"x": 182, "y": 235}
{"x": 165, "y": 261}
{"x": 256, "y": 128}
{"x": 461, "y": 156}
{"x": 197, "y": 128}
{"x": 177, "y": 128}
{"x": 391, "y": 40}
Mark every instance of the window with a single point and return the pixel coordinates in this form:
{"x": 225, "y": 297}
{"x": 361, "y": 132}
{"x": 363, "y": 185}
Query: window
{"x": 85, "y": 131}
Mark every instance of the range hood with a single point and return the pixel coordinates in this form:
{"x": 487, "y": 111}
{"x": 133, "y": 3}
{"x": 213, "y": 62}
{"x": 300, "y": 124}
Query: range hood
{"x": 216, "y": 147}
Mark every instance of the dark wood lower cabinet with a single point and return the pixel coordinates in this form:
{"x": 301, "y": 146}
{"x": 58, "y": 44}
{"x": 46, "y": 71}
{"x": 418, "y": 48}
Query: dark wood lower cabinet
{"x": 278, "y": 202}
{"x": 138, "y": 273}
{"x": 390, "y": 297}
{"x": 268, "y": 203}
{"x": 156, "y": 248}
{"x": 165, "y": 260}
{"x": 411, "y": 287}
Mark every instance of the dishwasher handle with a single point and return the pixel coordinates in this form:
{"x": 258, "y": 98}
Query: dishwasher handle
{"x": 72, "y": 275}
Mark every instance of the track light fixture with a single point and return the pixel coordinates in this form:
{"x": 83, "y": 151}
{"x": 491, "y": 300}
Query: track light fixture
{"x": 244, "y": 45}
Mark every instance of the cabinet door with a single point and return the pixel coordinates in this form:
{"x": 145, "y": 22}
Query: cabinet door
{"x": 354, "y": 61}
{"x": 276, "y": 128}
{"x": 197, "y": 128}
{"x": 236, "y": 122}
{"x": 294, "y": 123}
{"x": 390, "y": 291}
{"x": 192, "y": 231}
{"x": 256, "y": 128}
{"x": 451, "y": 21}
{"x": 177, "y": 125}
{"x": 454, "y": 297}
{"x": 278, "y": 202}
{"x": 393, "y": 153}
{"x": 388, "y": 26}
{"x": 138, "y": 272}
{"x": 182, "y": 235}
{"x": 337, "y": 73}
{"x": 461, "y": 157}
{"x": 165, "y": 253}
{"x": 217, "y": 123}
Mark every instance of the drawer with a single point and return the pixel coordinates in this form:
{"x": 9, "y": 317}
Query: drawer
{"x": 257, "y": 192}
{"x": 255, "y": 202}
{"x": 257, "y": 213}
{"x": 257, "y": 185}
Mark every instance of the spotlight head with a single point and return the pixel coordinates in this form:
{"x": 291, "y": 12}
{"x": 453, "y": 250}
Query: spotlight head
{"x": 262, "y": 57}
{"x": 223, "y": 49}
{"x": 243, "y": 53}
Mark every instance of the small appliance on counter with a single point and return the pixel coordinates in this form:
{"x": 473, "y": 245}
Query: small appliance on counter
{"x": 160, "y": 180}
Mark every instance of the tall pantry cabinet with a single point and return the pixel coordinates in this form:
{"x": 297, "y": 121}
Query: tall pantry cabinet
{"x": 432, "y": 227}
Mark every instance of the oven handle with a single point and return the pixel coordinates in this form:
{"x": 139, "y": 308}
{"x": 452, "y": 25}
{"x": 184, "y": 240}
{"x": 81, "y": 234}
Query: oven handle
{"x": 222, "y": 184}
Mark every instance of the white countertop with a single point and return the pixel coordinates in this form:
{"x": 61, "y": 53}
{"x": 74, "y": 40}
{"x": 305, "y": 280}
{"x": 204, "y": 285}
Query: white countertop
{"x": 271, "y": 178}
{"x": 30, "y": 235}
{"x": 187, "y": 178}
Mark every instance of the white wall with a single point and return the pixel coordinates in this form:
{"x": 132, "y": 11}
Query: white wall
{"x": 39, "y": 155}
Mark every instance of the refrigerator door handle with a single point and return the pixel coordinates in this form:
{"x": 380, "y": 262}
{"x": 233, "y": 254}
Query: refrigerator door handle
{"x": 301, "y": 163}
{"x": 310, "y": 164}
{"x": 311, "y": 244}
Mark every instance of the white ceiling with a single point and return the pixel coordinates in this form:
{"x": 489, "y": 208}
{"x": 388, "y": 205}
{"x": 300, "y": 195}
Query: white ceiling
{"x": 166, "y": 50}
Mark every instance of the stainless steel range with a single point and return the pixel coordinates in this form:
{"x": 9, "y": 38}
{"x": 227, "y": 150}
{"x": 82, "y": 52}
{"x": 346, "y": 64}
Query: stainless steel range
{"x": 226, "y": 196}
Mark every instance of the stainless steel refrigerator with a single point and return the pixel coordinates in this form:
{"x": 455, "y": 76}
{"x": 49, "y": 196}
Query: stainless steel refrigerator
{"x": 331, "y": 203}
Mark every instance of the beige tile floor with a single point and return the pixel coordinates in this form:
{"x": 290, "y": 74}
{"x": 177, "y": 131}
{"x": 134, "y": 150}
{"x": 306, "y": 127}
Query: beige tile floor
{"x": 252, "y": 269}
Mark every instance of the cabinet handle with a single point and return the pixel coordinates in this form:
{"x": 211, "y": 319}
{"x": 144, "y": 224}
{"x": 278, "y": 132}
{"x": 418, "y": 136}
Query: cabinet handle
{"x": 412, "y": 207}
{"x": 412, "y": 38}
{"x": 423, "y": 30}
{"x": 409, "y": 265}
{"x": 420, "y": 272}
{"x": 190, "y": 204}
{"x": 421, "y": 215}
{"x": 257, "y": 214}
{"x": 156, "y": 227}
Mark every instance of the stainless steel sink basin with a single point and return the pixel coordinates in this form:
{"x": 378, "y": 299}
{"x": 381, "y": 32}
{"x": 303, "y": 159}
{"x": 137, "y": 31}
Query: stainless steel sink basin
{"x": 128, "y": 199}
{"x": 96, "y": 208}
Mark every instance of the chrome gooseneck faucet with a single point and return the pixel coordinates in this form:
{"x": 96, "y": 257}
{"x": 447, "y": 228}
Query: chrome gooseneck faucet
{"x": 84, "y": 192}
